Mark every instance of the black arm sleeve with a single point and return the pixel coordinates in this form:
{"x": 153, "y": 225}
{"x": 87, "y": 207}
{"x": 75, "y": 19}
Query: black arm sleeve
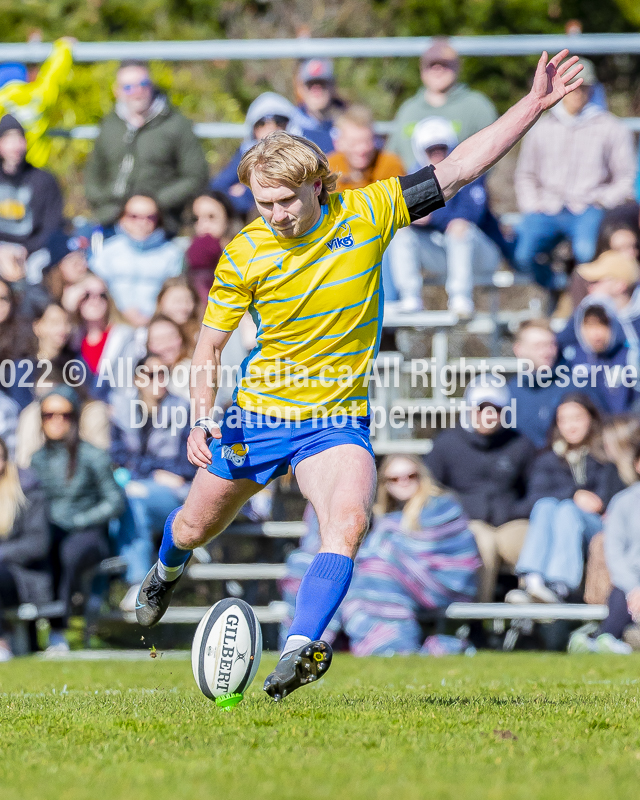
{"x": 421, "y": 192}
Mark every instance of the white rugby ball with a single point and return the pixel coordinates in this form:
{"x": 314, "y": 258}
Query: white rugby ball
{"x": 226, "y": 649}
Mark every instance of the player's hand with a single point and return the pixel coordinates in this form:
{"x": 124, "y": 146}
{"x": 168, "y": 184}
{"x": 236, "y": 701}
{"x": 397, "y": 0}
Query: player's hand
{"x": 633, "y": 603}
{"x": 550, "y": 80}
{"x": 198, "y": 451}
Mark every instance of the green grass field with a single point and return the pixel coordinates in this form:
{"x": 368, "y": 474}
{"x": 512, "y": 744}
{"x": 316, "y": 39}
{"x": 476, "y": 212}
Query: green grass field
{"x": 516, "y": 726}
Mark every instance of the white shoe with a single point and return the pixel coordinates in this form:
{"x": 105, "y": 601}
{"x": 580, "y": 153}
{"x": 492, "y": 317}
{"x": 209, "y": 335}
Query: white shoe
{"x": 579, "y": 642}
{"x": 461, "y": 305}
{"x": 538, "y": 590}
{"x": 517, "y": 597}
{"x": 606, "y": 643}
{"x": 5, "y": 654}
{"x": 128, "y": 602}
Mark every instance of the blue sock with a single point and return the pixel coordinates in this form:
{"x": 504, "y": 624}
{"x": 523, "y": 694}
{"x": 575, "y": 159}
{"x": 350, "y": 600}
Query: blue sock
{"x": 170, "y": 555}
{"x": 321, "y": 591}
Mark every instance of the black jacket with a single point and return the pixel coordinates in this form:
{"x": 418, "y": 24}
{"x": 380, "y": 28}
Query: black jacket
{"x": 25, "y": 550}
{"x": 488, "y": 473}
{"x": 30, "y": 207}
{"x": 551, "y": 476}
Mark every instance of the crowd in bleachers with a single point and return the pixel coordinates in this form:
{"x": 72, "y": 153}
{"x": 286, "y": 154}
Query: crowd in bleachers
{"x": 83, "y": 477}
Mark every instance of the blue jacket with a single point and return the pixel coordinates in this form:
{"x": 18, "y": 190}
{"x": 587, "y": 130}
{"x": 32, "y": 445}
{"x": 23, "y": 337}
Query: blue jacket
{"x": 472, "y": 203}
{"x": 536, "y": 407}
{"x": 614, "y": 396}
{"x": 154, "y": 445}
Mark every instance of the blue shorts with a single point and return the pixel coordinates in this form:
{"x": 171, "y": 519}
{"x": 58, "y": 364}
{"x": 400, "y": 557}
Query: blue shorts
{"x": 251, "y": 448}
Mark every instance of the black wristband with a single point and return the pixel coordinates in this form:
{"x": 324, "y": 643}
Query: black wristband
{"x": 206, "y": 423}
{"x": 421, "y": 192}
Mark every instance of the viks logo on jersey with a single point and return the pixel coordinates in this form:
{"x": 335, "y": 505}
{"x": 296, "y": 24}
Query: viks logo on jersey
{"x": 236, "y": 453}
{"x": 344, "y": 239}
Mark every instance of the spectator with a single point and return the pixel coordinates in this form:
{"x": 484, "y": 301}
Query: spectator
{"x": 622, "y": 552}
{"x": 268, "y": 113}
{"x": 486, "y": 464}
{"x": 574, "y": 164}
{"x": 24, "y": 542}
{"x": 17, "y": 340}
{"x": 168, "y": 340}
{"x": 48, "y": 350}
{"x": 31, "y": 103}
{"x": 82, "y": 495}
{"x": 67, "y": 268}
{"x": 213, "y": 214}
{"x": 419, "y": 555}
{"x": 319, "y": 102}
{"x": 358, "y": 157}
{"x": 108, "y": 347}
{"x": 137, "y": 260}
{"x": 538, "y": 396}
{"x": 449, "y": 242}
{"x": 613, "y": 275}
{"x": 30, "y": 202}
{"x": 601, "y": 352}
{"x": 94, "y": 419}
{"x": 570, "y": 487}
{"x": 149, "y": 443}
{"x": 620, "y": 237}
{"x": 359, "y": 160}
{"x": 442, "y": 96}
{"x": 9, "y": 411}
{"x": 145, "y": 147}
{"x": 178, "y": 301}
{"x": 620, "y": 436}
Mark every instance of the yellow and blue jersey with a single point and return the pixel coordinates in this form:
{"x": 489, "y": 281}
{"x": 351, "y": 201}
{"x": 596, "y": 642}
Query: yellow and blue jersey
{"x": 317, "y": 303}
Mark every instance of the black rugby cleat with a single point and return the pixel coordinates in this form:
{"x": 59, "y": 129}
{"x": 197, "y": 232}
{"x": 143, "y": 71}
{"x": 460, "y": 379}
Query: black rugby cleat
{"x": 301, "y": 666}
{"x": 154, "y": 597}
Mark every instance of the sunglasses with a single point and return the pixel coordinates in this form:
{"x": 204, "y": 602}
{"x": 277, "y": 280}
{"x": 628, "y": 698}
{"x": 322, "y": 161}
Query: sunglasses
{"x": 277, "y": 118}
{"x": 94, "y": 296}
{"x": 142, "y": 217}
{"x": 413, "y": 476}
{"x": 128, "y": 88}
{"x": 67, "y": 416}
{"x": 441, "y": 64}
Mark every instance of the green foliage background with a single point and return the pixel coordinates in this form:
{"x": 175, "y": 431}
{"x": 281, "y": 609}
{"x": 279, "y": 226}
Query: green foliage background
{"x": 209, "y": 91}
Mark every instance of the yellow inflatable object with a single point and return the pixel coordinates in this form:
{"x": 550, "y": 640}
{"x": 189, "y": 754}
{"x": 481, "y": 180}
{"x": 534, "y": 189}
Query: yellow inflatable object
{"x": 31, "y": 103}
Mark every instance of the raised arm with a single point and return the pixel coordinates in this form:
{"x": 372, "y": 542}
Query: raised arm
{"x": 480, "y": 152}
{"x": 204, "y": 371}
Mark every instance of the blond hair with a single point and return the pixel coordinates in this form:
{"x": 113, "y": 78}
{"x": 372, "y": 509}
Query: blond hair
{"x": 620, "y": 437}
{"x": 533, "y": 324}
{"x": 427, "y": 489}
{"x": 282, "y": 157}
{"x": 357, "y": 115}
{"x": 12, "y": 498}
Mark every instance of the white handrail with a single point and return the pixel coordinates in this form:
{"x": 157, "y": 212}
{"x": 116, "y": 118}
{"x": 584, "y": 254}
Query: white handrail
{"x": 382, "y": 47}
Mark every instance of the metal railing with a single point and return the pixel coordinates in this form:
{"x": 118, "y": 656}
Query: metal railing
{"x": 233, "y": 130}
{"x": 382, "y": 47}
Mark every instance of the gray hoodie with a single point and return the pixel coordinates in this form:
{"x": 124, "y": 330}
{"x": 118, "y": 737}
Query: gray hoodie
{"x": 622, "y": 539}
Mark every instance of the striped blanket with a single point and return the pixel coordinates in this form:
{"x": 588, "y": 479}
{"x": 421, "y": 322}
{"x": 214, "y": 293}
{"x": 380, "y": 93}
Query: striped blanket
{"x": 398, "y": 573}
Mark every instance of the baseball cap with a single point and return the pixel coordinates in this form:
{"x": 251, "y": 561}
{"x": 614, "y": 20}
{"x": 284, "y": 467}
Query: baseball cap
{"x": 61, "y": 245}
{"x": 431, "y": 132}
{"x": 440, "y": 52}
{"x": 316, "y": 69}
{"x": 611, "y": 265}
{"x": 588, "y": 74}
{"x": 487, "y": 390}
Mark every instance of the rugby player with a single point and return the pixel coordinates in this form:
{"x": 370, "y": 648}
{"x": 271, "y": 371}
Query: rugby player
{"x": 308, "y": 271}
